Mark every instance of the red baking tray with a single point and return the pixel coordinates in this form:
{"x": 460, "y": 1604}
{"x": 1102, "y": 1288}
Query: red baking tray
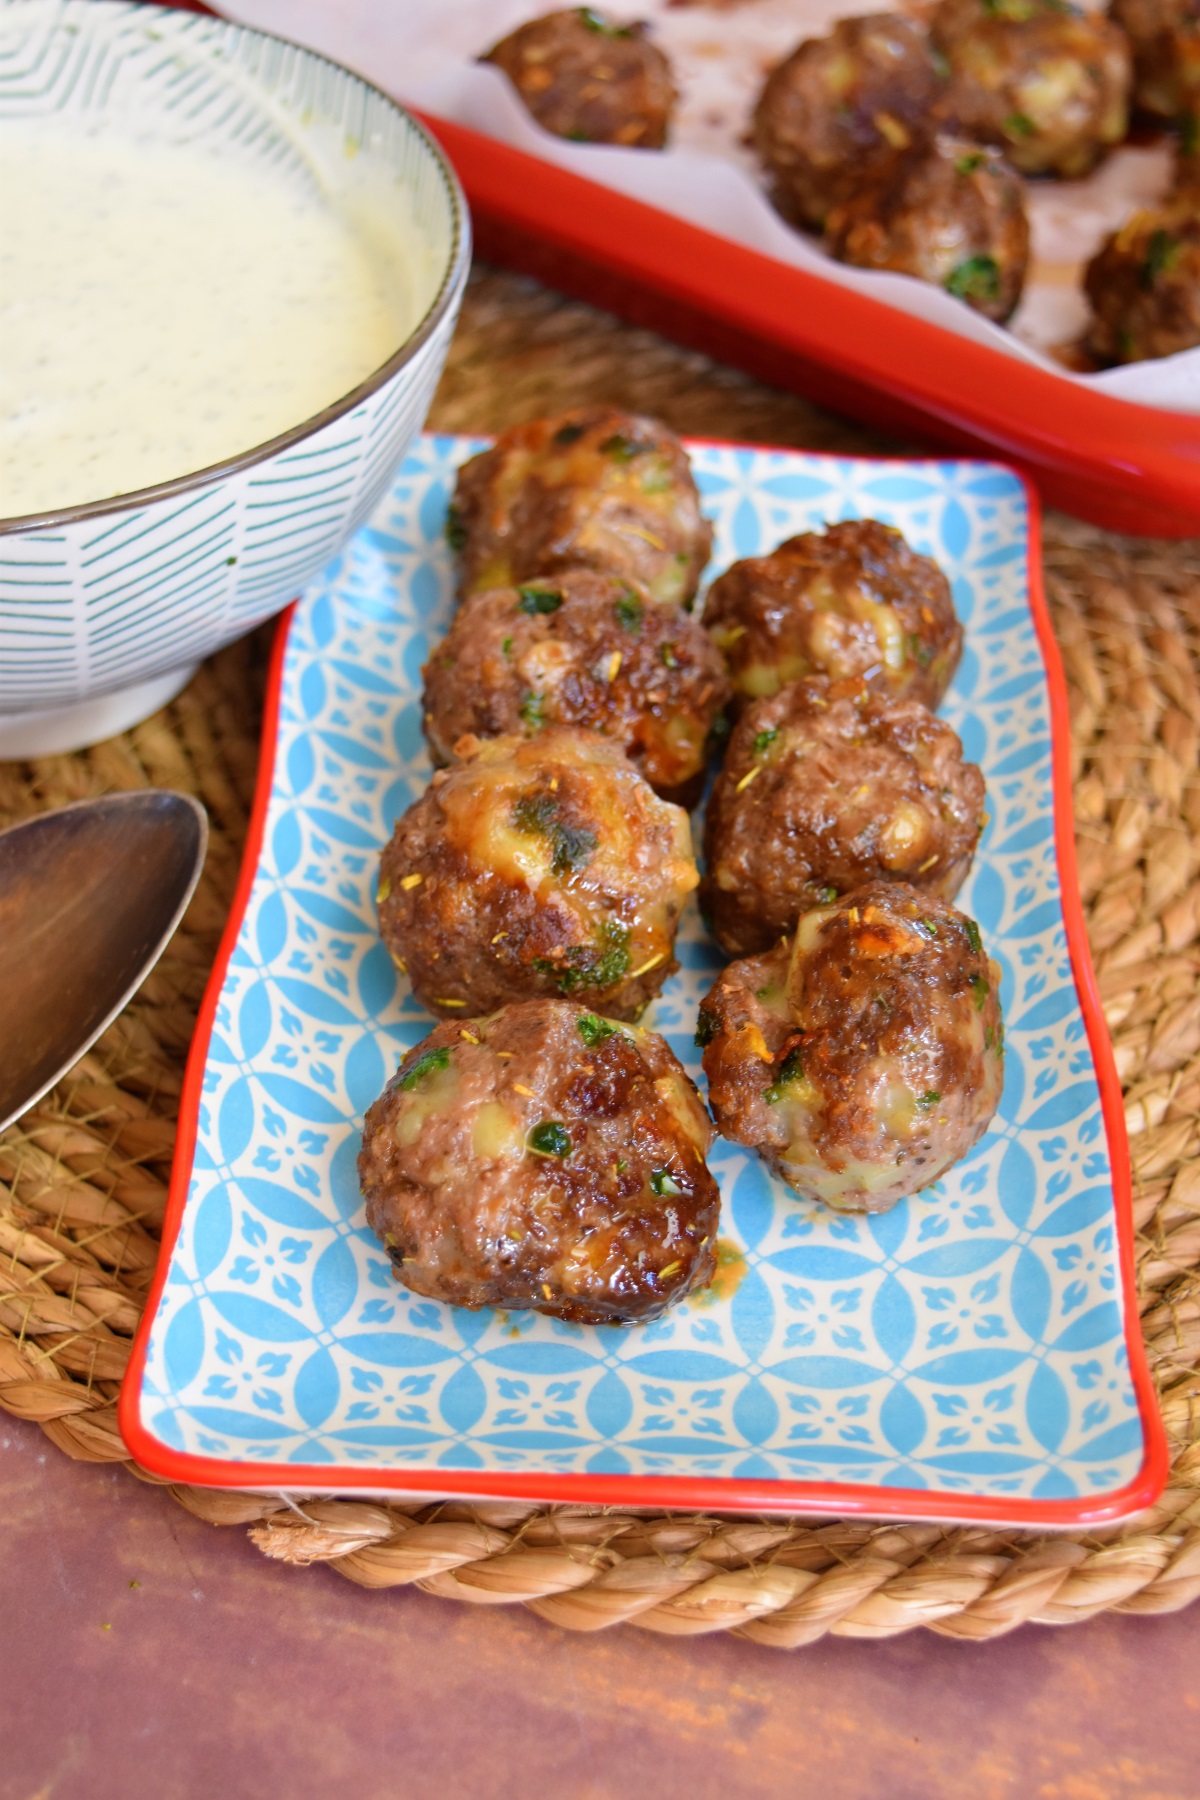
{"x": 1128, "y": 467}
{"x": 1132, "y": 468}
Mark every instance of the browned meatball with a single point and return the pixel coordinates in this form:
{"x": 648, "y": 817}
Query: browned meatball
{"x": 581, "y": 649}
{"x": 825, "y": 787}
{"x": 947, "y": 212}
{"x": 1144, "y": 286}
{"x": 593, "y": 488}
{"x": 536, "y": 866}
{"x": 586, "y": 77}
{"x": 543, "y": 1157}
{"x": 851, "y": 600}
{"x": 1165, "y": 37}
{"x": 866, "y": 1057}
{"x": 1048, "y": 82}
{"x": 839, "y": 104}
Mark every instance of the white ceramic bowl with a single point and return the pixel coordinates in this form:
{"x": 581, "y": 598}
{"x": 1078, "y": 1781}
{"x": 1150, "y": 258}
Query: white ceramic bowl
{"x": 106, "y": 609}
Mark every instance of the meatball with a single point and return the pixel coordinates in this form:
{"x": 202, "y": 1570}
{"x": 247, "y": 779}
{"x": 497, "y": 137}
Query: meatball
{"x": 851, "y": 600}
{"x": 947, "y": 212}
{"x": 536, "y": 866}
{"x": 1043, "y": 79}
{"x": 825, "y": 787}
{"x": 839, "y": 104}
{"x": 585, "y": 77}
{"x": 581, "y": 649}
{"x": 543, "y": 1157}
{"x": 593, "y": 488}
{"x": 1165, "y": 38}
{"x": 1144, "y": 286}
{"x": 866, "y": 1057}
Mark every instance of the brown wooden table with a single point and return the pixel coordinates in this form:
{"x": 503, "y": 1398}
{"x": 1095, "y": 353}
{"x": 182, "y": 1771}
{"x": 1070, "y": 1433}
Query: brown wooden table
{"x": 145, "y": 1654}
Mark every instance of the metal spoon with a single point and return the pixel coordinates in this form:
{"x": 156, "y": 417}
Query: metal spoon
{"x": 90, "y": 896}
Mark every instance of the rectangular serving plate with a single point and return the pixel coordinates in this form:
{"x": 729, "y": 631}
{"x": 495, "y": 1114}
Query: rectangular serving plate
{"x": 1125, "y": 466}
{"x": 973, "y": 1354}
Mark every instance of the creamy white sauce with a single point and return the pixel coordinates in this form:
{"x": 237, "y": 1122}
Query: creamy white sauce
{"x": 163, "y": 308}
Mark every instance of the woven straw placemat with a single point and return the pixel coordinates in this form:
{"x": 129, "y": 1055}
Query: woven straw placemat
{"x": 83, "y": 1177}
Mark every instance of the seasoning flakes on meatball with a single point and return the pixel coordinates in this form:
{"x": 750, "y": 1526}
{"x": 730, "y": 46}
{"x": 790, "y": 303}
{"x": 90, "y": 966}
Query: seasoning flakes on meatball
{"x": 586, "y": 649}
{"x": 839, "y": 104}
{"x": 536, "y": 866}
{"x": 1045, "y": 80}
{"x": 590, "y": 78}
{"x": 543, "y": 1157}
{"x": 1165, "y": 38}
{"x": 948, "y": 212}
{"x": 592, "y": 488}
{"x": 853, "y": 600}
{"x": 866, "y": 1057}
{"x": 827, "y": 786}
{"x": 1144, "y": 286}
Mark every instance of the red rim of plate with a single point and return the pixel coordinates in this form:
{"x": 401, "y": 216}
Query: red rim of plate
{"x": 683, "y": 1492}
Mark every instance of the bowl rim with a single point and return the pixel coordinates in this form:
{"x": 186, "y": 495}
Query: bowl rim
{"x": 453, "y": 277}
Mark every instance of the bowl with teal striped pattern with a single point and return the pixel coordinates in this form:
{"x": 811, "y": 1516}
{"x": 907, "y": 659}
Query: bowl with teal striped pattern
{"x": 107, "y": 608}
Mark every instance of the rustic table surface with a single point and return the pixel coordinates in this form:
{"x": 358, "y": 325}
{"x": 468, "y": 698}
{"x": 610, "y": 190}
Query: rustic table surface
{"x": 143, "y": 1652}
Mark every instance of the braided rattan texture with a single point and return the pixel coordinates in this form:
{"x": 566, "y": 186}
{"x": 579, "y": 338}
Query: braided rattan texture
{"x": 83, "y": 1177}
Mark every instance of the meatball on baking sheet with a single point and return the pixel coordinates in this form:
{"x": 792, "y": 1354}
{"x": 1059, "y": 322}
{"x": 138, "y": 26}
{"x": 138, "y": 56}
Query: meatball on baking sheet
{"x": 962, "y": 1350}
{"x": 709, "y": 173}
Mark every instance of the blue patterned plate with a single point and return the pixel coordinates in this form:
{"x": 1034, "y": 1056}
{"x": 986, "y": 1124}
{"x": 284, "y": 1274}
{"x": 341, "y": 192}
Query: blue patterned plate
{"x": 973, "y": 1353}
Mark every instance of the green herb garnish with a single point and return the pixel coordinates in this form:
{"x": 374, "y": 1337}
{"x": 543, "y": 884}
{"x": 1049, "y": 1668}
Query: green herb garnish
{"x": 629, "y": 610}
{"x": 456, "y": 531}
{"x": 790, "y": 1069}
{"x": 532, "y": 710}
{"x": 764, "y": 740}
{"x": 707, "y": 1026}
{"x": 548, "y": 1139}
{"x": 1161, "y": 253}
{"x": 594, "y": 1030}
{"x": 973, "y": 937}
{"x": 967, "y": 165}
{"x": 929, "y": 1099}
{"x": 536, "y": 600}
{"x": 571, "y": 846}
{"x": 981, "y": 990}
{"x": 667, "y": 656}
{"x": 620, "y": 447}
{"x": 428, "y": 1064}
{"x": 976, "y": 279}
{"x": 598, "y": 23}
{"x": 1019, "y": 125}
{"x": 580, "y": 966}
{"x": 663, "y": 1182}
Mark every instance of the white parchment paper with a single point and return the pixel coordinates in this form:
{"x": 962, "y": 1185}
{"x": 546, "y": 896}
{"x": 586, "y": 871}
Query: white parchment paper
{"x": 423, "y": 52}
